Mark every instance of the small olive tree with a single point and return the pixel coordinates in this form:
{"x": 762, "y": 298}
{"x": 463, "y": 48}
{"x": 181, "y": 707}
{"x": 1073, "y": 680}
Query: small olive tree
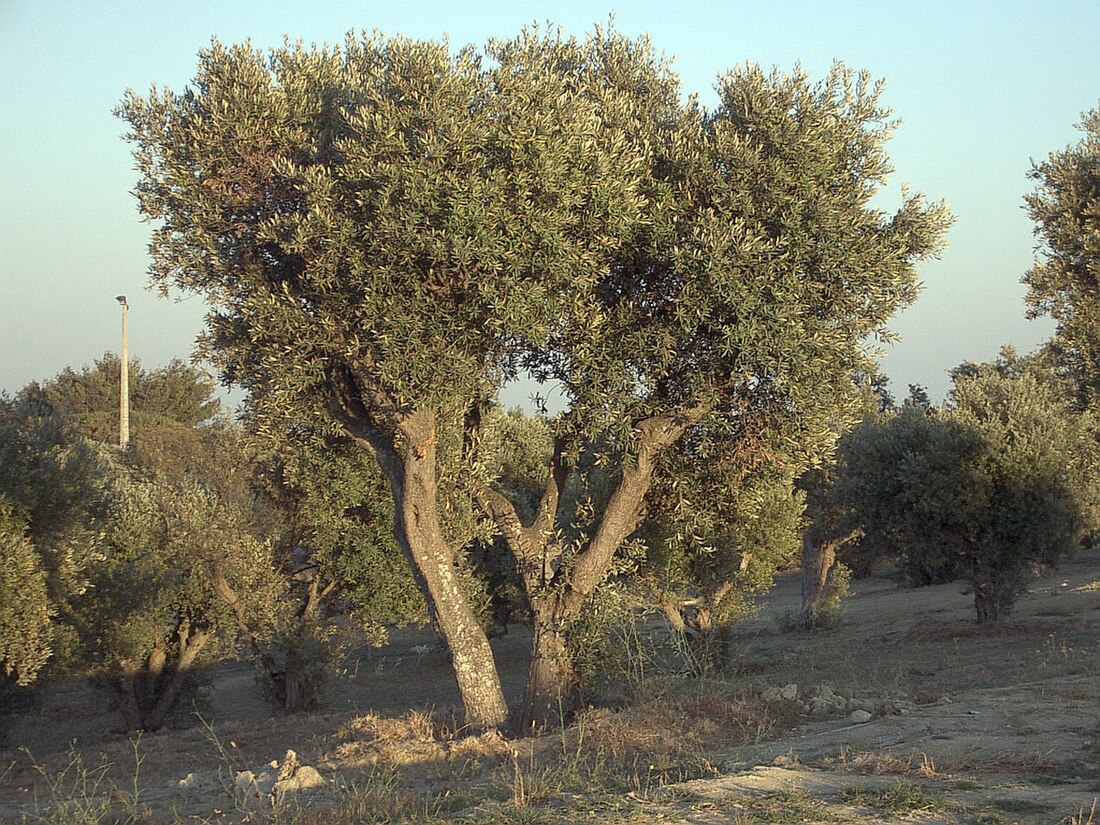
{"x": 327, "y": 512}
{"x": 706, "y": 565}
{"x": 139, "y": 549}
{"x": 985, "y": 489}
{"x": 182, "y": 569}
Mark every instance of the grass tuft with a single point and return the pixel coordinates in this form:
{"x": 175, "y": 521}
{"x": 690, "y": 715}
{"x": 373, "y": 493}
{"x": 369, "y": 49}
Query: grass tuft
{"x": 902, "y": 799}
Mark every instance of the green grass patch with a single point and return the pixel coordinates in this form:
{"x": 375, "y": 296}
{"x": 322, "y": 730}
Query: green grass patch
{"x": 902, "y": 799}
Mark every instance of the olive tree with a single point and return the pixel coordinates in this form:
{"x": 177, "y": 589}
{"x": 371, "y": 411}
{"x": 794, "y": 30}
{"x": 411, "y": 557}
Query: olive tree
{"x": 329, "y": 517}
{"x": 388, "y": 231}
{"x": 985, "y": 489}
{"x": 24, "y": 602}
{"x": 1062, "y": 283}
{"x": 383, "y": 229}
{"x": 143, "y": 551}
{"x": 182, "y": 569}
{"x": 705, "y": 566}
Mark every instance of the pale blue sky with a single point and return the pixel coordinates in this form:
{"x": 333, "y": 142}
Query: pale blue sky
{"x": 982, "y": 88}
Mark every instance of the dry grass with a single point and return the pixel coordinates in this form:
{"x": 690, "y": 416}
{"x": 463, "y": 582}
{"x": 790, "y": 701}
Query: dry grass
{"x": 885, "y": 763}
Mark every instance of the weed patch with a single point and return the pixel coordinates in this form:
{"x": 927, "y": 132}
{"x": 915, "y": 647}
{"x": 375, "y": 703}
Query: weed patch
{"x": 902, "y": 799}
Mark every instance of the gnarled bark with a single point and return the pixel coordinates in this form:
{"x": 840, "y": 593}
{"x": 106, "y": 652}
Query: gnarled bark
{"x": 407, "y": 457}
{"x": 558, "y": 595}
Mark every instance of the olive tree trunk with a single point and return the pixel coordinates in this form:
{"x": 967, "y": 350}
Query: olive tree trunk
{"x": 407, "y": 457}
{"x": 147, "y": 692}
{"x": 558, "y": 593}
{"x": 818, "y": 558}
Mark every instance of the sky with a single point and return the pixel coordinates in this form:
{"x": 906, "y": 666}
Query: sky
{"x": 982, "y": 89}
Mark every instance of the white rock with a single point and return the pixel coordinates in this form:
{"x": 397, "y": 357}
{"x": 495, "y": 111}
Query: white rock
{"x": 247, "y": 783}
{"x": 196, "y": 782}
{"x": 304, "y": 778}
{"x": 294, "y": 776}
{"x": 858, "y": 717}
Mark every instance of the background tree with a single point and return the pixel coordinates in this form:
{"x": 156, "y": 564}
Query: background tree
{"x": 1041, "y": 454}
{"x": 1065, "y": 207}
{"x": 24, "y": 601}
{"x": 87, "y": 400}
{"x": 53, "y": 488}
{"x": 829, "y": 524}
{"x": 183, "y": 567}
{"x": 330, "y": 518}
{"x": 706, "y": 565}
{"x": 137, "y": 549}
{"x": 985, "y": 489}
{"x": 388, "y": 232}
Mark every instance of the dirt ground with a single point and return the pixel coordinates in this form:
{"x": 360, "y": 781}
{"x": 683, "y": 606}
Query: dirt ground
{"x": 905, "y": 711}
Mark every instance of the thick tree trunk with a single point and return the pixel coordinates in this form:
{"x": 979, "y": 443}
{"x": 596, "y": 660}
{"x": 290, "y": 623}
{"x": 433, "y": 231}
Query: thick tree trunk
{"x": 818, "y": 558}
{"x": 304, "y": 677}
{"x": 407, "y": 457}
{"x": 551, "y": 694}
{"x": 418, "y": 530}
{"x": 302, "y": 682}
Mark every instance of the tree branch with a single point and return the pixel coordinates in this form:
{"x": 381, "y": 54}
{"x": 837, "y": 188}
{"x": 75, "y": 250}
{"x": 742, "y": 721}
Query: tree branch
{"x": 626, "y": 507}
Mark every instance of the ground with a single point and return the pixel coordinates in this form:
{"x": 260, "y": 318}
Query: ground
{"x": 905, "y": 711}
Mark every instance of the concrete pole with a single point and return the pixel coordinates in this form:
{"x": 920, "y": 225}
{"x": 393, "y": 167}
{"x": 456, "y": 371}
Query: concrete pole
{"x": 124, "y": 385}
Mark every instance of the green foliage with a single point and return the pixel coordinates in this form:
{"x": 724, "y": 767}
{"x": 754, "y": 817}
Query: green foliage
{"x": 457, "y": 204}
{"x": 88, "y": 401}
{"x": 1040, "y": 456}
{"x": 986, "y": 488}
{"x": 709, "y": 558}
{"x": 142, "y": 552}
{"x": 54, "y": 492}
{"x": 903, "y": 478}
{"x": 761, "y": 272}
{"x": 333, "y": 523}
{"x": 387, "y": 231}
{"x": 428, "y": 220}
{"x": 183, "y": 566}
{"x": 743, "y": 542}
{"x": 837, "y": 590}
{"x": 1062, "y": 283}
{"x": 24, "y": 602}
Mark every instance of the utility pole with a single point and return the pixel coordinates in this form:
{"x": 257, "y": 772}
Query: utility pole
{"x": 124, "y": 385}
